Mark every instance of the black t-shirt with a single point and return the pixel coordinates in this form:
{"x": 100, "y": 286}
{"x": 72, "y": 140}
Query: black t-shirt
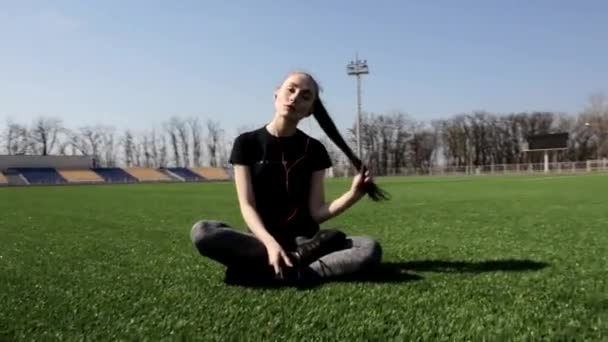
{"x": 281, "y": 171}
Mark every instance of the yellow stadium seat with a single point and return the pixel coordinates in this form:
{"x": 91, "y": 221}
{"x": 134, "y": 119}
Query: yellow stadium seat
{"x": 212, "y": 173}
{"x": 144, "y": 174}
{"x": 80, "y": 176}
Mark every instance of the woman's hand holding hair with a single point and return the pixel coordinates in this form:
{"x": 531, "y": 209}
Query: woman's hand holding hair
{"x": 360, "y": 181}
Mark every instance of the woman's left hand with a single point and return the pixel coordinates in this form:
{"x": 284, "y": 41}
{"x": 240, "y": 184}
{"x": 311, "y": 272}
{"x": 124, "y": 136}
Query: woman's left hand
{"x": 361, "y": 179}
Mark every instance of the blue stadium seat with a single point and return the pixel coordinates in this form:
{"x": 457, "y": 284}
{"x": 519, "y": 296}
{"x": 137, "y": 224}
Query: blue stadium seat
{"x": 115, "y": 175}
{"x": 41, "y": 175}
{"x": 186, "y": 174}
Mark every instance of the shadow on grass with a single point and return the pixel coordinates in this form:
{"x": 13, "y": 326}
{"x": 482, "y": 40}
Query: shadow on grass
{"x": 402, "y": 272}
{"x": 444, "y": 266}
{"x": 384, "y": 273}
{"x": 387, "y": 272}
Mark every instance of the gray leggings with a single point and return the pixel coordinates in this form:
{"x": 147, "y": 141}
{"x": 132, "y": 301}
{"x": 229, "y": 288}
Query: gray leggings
{"x": 222, "y": 243}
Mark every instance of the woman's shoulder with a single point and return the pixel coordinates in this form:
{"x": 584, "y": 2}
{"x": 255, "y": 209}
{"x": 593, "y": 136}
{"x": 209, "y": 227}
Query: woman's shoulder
{"x": 246, "y": 147}
{"x": 249, "y": 136}
{"x": 312, "y": 141}
{"x": 318, "y": 152}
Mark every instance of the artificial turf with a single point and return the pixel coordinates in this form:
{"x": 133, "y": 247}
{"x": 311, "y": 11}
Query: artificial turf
{"x": 465, "y": 258}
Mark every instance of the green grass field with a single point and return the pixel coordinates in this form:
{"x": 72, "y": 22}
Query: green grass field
{"x": 494, "y": 258}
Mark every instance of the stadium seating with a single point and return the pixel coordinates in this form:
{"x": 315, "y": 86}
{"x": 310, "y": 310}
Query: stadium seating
{"x": 3, "y": 180}
{"x": 41, "y": 175}
{"x": 211, "y": 173}
{"x": 148, "y": 175}
{"x": 229, "y": 172}
{"x": 185, "y": 174}
{"x": 13, "y": 177}
{"x": 81, "y": 176}
{"x": 115, "y": 175}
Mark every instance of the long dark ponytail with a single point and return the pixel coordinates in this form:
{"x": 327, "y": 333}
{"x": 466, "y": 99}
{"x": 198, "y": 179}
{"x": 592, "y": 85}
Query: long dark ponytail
{"x": 330, "y": 129}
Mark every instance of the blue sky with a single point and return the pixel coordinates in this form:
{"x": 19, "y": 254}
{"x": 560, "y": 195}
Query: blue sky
{"x": 136, "y": 63}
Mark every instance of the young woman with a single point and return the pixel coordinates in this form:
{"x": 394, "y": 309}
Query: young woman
{"x": 279, "y": 172}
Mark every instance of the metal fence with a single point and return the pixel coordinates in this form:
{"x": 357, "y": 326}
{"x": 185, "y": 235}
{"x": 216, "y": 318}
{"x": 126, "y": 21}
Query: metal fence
{"x": 588, "y": 166}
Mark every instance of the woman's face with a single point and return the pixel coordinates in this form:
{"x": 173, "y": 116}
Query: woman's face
{"x": 295, "y": 97}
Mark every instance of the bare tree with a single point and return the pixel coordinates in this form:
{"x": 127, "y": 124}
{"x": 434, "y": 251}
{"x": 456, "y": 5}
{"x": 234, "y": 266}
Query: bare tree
{"x": 598, "y": 104}
{"x": 4, "y": 144}
{"x": 127, "y": 144}
{"x": 384, "y": 127}
{"x": 506, "y": 140}
{"x": 152, "y": 149}
{"x": 214, "y": 133}
{"x": 138, "y": 152}
{"x": 196, "y": 132}
{"x": 22, "y": 143}
{"x": 44, "y": 135}
{"x": 369, "y": 141}
{"x": 64, "y": 146}
{"x": 456, "y": 136}
{"x": 109, "y": 151}
{"x": 162, "y": 152}
{"x": 171, "y": 129}
{"x": 386, "y": 142}
{"x": 92, "y": 140}
{"x": 146, "y": 150}
{"x": 422, "y": 144}
{"x": 595, "y": 117}
{"x": 182, "y": 133}
{"x": 400, "y": 149}
{"x": 16, "y": 138}
{"x": 224, "y": 148}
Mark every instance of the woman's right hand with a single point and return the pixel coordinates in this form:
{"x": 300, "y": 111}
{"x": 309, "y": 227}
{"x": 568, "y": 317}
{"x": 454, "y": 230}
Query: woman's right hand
{"x": 277, "y": 257}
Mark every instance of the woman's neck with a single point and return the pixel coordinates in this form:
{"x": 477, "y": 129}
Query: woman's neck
{"x": 281, "y": 128}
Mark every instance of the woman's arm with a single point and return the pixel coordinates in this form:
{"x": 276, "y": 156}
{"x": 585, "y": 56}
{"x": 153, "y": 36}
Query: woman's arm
{"x": 244, "y": 189}
{"x": 276, "y": 255}
{"x": 322, "y": 211}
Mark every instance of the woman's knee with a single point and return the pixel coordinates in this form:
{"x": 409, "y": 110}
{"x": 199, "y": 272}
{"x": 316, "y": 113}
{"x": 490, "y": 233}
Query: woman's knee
{"x": 371, "y": 249}
{"x": 202, "y": 229}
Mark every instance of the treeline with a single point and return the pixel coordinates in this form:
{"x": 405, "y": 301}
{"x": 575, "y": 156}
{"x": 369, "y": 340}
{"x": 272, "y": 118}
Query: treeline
{"x": 392, "y": 143}
{"x": 177, "y": 142}
{"x": 396, "y": 144}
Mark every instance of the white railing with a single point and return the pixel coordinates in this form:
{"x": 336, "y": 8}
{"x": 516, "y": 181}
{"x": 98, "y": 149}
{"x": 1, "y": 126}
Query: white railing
{"x": 588, "y": 166}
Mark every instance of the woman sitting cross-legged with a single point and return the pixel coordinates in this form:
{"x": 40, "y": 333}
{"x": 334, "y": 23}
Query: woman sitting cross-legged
{"x": 279, "y": 172}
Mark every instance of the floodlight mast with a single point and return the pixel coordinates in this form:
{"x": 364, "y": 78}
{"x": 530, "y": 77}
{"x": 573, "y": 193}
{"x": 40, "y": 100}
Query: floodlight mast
{"x": 357, "y": 68}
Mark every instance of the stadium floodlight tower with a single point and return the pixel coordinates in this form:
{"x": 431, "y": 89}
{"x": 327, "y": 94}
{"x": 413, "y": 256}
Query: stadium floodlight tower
{"x": 357, "y": 68}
